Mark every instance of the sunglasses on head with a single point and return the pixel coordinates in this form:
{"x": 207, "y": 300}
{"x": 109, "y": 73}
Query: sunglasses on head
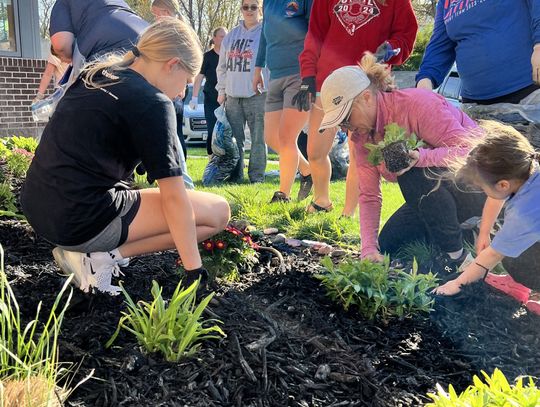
{"x": 251, "y": 7}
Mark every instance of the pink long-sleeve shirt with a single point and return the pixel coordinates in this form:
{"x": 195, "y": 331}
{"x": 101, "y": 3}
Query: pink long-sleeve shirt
{"x": 443, "y": 128}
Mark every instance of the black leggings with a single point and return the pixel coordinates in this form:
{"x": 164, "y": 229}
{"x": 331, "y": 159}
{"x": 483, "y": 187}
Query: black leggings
{"x": 210, "y": 104}
{"x": 525, "y": 269}
{"x": 427, "y": 215}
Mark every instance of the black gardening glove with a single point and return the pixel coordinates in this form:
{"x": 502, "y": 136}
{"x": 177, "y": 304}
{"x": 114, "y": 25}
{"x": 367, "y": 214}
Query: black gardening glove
{"x": 306, "y": 95}
{"x": 190, "y": 276}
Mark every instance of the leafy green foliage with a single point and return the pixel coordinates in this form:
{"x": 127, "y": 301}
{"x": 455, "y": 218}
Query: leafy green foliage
{"x": 7, "y": 199}
{"x": 228, "y": 251}
{"x": 24, "y": 143}
{"x": 172, "y": 328}
{"x": 29, "y": 350}
{"x": 4, "y": 151}
{"x": 494, "y": 391}
{"x": 422, "y": 40}
{"x": 18, "y": 162}
{"x": 393, "y": 133}
{"x": 422, "y": 251}
{"x": 376, "y": 290}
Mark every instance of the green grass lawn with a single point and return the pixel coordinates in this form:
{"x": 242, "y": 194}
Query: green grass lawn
{"x": 197, "y": 151}
{"x": 251, "y": 202}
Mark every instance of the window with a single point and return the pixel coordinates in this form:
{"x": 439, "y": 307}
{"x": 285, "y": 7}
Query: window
{"x": 8, "y": 27}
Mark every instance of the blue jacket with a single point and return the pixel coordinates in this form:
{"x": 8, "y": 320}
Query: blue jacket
{"x": 285, "y": 25}
{"x": 491, "y": 42}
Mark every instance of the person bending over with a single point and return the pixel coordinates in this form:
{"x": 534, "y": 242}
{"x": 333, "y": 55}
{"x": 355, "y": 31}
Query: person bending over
{"x": 118, "y": 114}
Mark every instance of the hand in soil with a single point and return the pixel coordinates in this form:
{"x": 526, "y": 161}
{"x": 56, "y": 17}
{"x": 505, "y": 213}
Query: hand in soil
{"x": 452, "y": 287}
{"x": 414, "y": 157}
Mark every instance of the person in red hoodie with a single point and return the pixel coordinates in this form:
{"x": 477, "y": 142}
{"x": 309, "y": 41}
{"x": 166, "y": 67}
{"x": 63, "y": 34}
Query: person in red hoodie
{"x": 339, "y": 33}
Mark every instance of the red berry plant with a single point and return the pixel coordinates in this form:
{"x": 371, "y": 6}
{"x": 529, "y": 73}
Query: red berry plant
{"x": 226, "y": 253}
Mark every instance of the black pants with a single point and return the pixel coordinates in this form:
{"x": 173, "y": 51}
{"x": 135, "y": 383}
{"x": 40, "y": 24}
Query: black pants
{"x": 525, "y": 269}
{"x": 210, "y": 104}
{"x": 514, "y": 97}
{"x": 427, "y": 215}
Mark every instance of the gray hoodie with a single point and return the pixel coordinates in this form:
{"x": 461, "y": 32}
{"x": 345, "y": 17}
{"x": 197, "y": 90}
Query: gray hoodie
{"x": 237, "y": 61}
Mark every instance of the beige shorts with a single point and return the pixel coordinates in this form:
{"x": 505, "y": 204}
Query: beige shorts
{"x": 280, "y": 93}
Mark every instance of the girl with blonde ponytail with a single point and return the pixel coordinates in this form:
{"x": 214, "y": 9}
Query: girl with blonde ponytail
{"x": 363, "y": 100}
{"x": 116, "y": 116}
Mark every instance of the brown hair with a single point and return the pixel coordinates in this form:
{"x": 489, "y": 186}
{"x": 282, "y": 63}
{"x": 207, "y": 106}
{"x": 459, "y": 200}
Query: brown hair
{"x": 165, "y": 39}
{"x": 172, "y": 6}
{"x": 503, "y": 154}
{"x": 378, "y": 74}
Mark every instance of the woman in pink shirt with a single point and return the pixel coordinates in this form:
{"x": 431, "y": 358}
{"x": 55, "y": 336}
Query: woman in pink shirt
{"x": 362, "y": 100}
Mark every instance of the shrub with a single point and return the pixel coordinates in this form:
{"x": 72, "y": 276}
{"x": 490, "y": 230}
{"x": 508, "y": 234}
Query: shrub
{"x": 19, "y": 161}
{"x": 376, "y": 289}
{"x": 29, "y": 368}
{"x": 495, "y": 391}
{"x": 7, "y": 198}
{"x": 4, "y": 151}
{"x": 422, "y": 40}
{"x": 24, "y": 143}
{"x": 228, "y": 251}
{"x": 172, "y": 328}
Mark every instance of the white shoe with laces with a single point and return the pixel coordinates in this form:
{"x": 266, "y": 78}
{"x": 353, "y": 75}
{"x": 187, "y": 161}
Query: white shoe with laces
{"x": 90, "y": 270}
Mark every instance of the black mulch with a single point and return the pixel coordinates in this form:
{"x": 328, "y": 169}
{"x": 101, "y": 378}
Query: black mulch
{"x": 287, "y": 344}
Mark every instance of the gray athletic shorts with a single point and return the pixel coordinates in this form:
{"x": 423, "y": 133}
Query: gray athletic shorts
{"x": 280, "y": 93}
{"x": 116, "y": 232}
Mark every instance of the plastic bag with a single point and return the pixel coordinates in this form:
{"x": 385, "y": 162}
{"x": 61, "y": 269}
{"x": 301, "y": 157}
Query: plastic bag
{"x": 222, "y": 132}
{"x": 225, "y": 153}
{"x": 339, "y": 156}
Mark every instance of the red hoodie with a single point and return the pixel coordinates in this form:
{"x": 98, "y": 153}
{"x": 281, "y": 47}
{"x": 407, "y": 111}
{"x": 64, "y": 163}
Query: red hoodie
{"x": 340, "y": 31}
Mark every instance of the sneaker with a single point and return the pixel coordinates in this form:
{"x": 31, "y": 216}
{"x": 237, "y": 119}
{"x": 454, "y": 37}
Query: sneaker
{"x": 306, "y": 184}
{"x": 448, "y": 265}
{"x": 533, "y": 306}
{"x": 506, "y": 284}
{"x": 279, "y": 197}
{"x": 124, "y": 262}
{"x": 91, "y": 271}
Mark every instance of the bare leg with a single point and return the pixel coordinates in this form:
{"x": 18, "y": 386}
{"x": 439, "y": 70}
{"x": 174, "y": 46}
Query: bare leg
{"x": 282, "y": 128}
{"x": 351, "y": 184}
{"x": 292, "y": 122}
{"x": 149, "y": 231}
{"x": 319, "y": 146}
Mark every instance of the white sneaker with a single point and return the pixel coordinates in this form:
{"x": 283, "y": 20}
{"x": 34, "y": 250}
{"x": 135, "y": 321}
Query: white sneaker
{"x": 90, "y": 270}
{"x": 124, "y": 262}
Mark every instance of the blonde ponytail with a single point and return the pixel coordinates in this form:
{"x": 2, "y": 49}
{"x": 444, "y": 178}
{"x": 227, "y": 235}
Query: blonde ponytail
{"x": 378, "y": 74}
{"x": 165, "y": 39}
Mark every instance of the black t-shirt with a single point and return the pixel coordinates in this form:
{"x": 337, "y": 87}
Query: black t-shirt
{"x": 89, "y": 148}
{"x": 208, "y": 69}
{"x": 100, "y": 26}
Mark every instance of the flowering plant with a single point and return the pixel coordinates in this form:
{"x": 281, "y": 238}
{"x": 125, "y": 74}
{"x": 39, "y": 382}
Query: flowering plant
{"x": 227, "y": 252}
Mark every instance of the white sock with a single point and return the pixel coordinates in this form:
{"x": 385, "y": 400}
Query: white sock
{"x": 455, "y": 255}
{"x": 115, "y": 254}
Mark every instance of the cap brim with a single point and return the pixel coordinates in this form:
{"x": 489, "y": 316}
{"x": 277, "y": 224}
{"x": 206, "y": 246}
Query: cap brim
{"x": 336, "y": 116}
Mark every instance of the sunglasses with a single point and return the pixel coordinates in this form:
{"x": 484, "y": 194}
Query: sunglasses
{"x": 346, "y": 125}
{"x": 252, "y": 7}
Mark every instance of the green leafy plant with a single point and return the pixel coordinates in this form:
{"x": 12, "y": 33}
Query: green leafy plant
{"x": 228, "y": 251}
{"x": 4, "y": 150}
{"x": 172, "y": 328}
{"x": 376, "y": 290}
{"x": 24, "y": 143}
{"x": 18, "y": 162}
{"x": 493, "y": 391}
{"x": 29, "y": 352}
{"x": 7, "y": 198}
{"x": 393, "y": 133}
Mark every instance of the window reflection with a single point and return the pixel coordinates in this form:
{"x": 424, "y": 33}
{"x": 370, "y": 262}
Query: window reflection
{"x": 8, "y": 40}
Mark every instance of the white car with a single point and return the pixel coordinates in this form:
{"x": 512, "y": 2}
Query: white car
{"x": 450, "y": 88}
{"x": 194, "y": 125}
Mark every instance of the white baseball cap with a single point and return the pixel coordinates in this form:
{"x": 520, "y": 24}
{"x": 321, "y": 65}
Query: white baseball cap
{"x": 338, "y": 92}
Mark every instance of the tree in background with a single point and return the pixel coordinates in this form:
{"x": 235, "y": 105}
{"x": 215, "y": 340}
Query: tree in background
{"x": 202, "y": 15}
{"x": 424, "y": 10}
{"x": 45, "y": 7}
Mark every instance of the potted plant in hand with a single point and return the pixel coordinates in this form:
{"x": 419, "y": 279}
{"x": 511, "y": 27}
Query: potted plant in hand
{"x": 394, "y": 148}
